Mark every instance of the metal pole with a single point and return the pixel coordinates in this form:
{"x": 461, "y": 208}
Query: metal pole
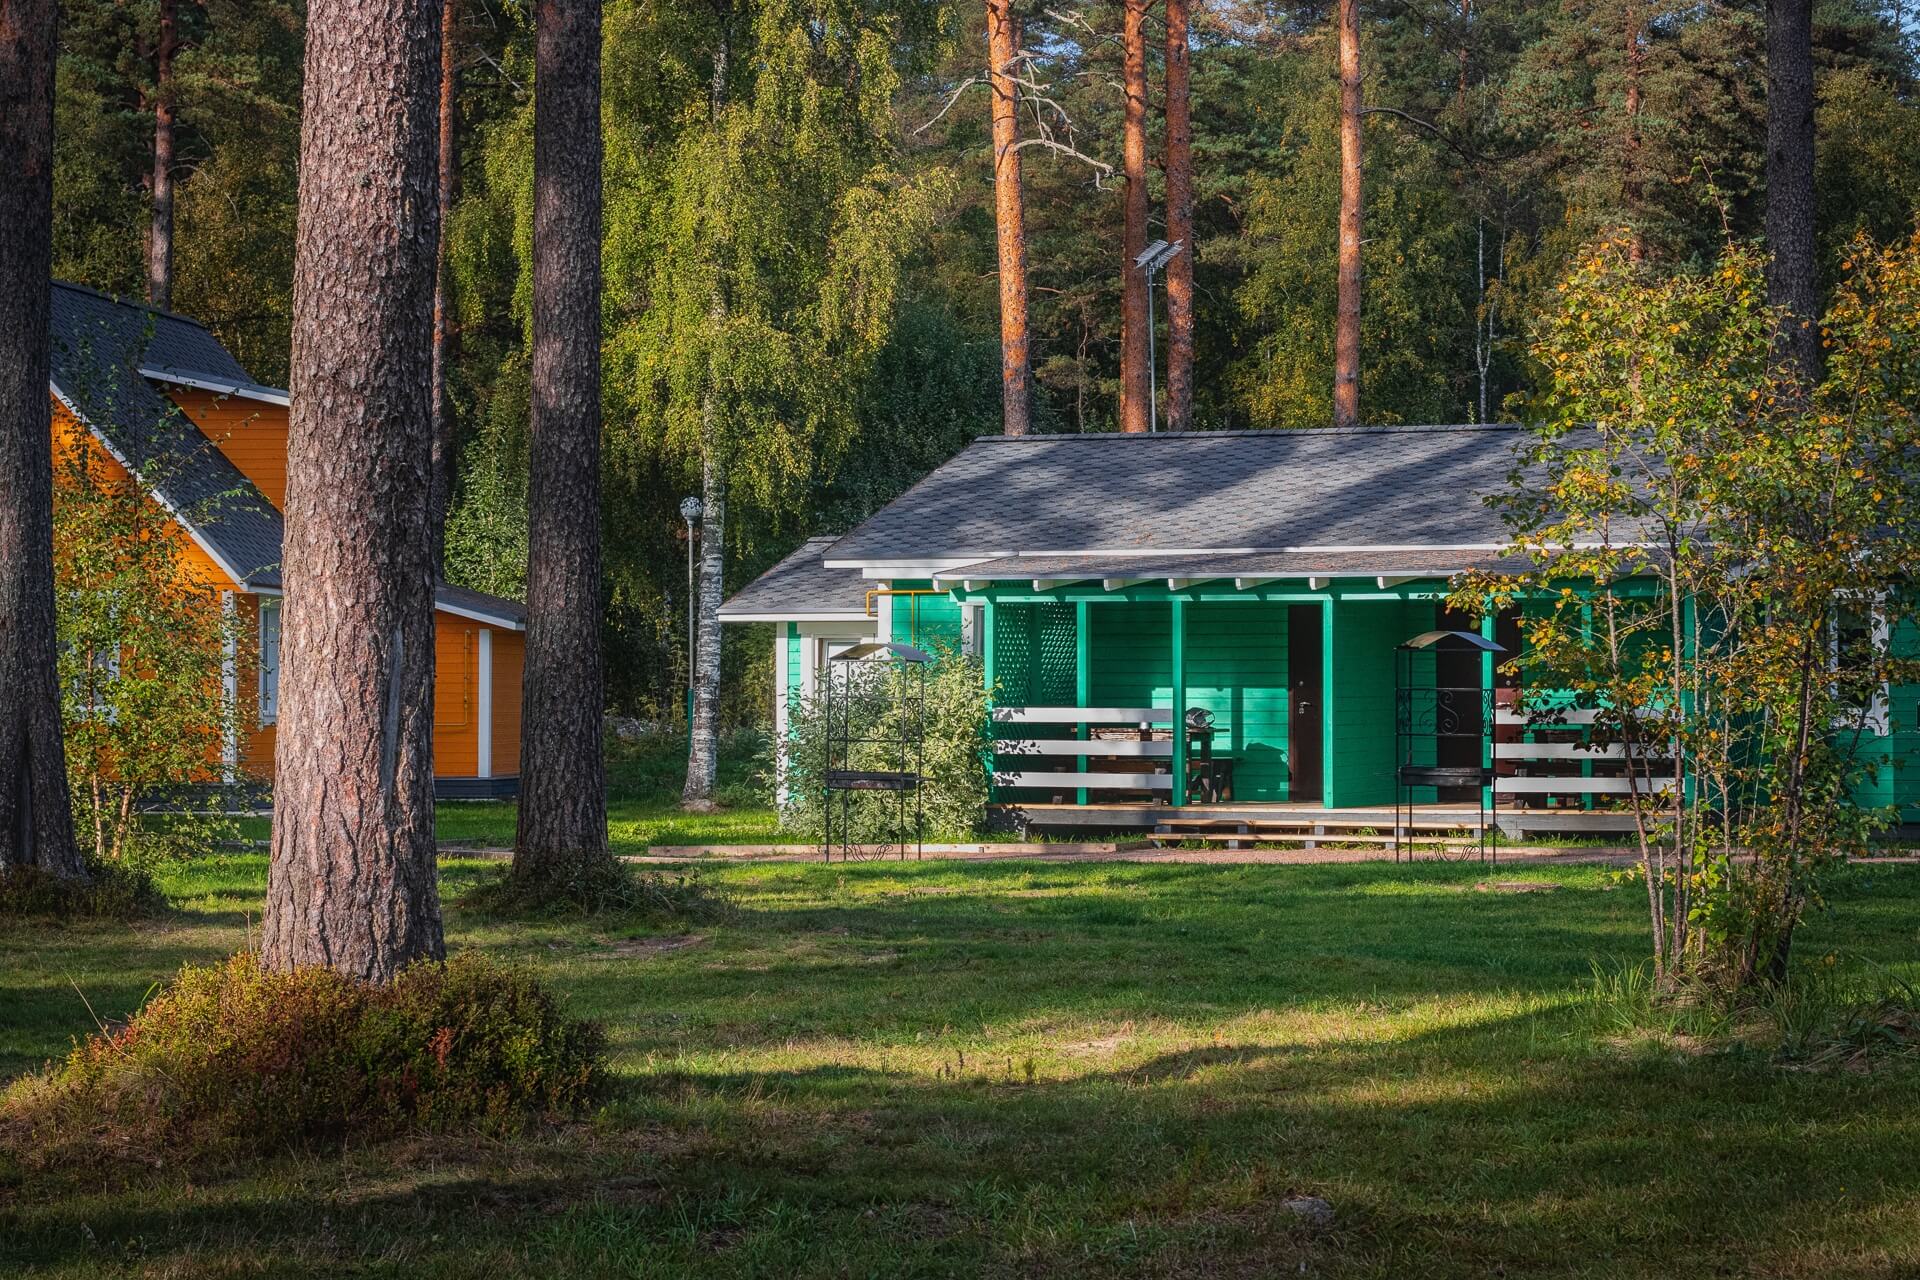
{"x": 1153, "y": 383}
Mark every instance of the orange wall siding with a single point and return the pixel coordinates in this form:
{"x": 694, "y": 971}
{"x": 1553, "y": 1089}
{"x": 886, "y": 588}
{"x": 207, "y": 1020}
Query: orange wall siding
{"x": 509, "y": 652}
{"x": 251, "y": 433}
{"x": 456, "y": 696}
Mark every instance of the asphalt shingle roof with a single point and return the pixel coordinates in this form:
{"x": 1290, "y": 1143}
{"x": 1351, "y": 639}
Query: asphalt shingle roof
{"x": 1219, "y": 491}
{"x": 99, "y": 347}
{"x": 800, "y": 586}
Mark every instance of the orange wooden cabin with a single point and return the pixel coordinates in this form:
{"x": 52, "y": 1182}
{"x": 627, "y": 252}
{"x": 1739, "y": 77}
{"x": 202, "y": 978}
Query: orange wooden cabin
{"x": 158, "y": 395}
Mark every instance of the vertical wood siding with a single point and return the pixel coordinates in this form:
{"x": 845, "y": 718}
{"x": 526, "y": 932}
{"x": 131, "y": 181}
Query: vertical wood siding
{"x": 925, "y": 622}
{"x": 509, "y": 651}
{"x": 1237, "y": 669}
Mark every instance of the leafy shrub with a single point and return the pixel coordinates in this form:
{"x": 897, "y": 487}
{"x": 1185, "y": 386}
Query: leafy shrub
{"x": 234, "y": 1059}
{"x": 111, "y": 892}
{"x": 881, "y": 704}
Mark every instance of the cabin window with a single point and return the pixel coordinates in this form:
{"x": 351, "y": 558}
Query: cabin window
{"x": 269, "y": 661}
{"x": 1856, "y": 648}
{"x": 91, "y": 695}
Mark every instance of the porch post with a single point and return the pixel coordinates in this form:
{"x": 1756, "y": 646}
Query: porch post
{"x": 1179, "y": 701}
{"x": 1328, "y": 760}
{"x": 1082, "y": 677}
{"x": 1488, "y": 629}
{"x": 986, "y": 664}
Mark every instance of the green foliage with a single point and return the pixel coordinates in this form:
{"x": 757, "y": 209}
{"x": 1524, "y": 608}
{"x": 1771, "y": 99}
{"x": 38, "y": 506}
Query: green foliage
{"x": 145, "y": 651}
{"x": 883, "y": 704}
{"x": 234, "y": 1060}
{"x": 1723, "y": 551}
{"x": 687, "y": 895}
{"x": 110, "y": 891}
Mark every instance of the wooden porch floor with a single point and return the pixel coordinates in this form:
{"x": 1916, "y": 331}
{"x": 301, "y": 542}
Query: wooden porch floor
{"x": 1146, "y": 815}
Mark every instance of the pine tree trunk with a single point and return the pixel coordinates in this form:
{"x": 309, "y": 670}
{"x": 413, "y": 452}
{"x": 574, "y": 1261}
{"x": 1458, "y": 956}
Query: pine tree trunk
{"x": 563, "y": 805}
{"x": 703, "y": 756}
{"x": 1009, "y": 216}
{"x": 1792, "y": 283}
{"x": 36, "y": 816}
{"x": 1135, "y": 415}
{"x": 352, "y": 882}
{"x": 1179, "y": 221}
{"x": 1632, "y": 190}
{"x": 440, "y": 477}
{"x": 160, "y": 235}
{"x": 1346, "y": 331}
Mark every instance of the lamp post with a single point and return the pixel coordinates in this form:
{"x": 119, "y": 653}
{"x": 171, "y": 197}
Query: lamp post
{"x": 1151, "y": 259}
{"x": 691, "y": 511}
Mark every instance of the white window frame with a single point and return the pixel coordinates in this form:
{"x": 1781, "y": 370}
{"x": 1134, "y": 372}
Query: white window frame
{"x": 107, "y": 659}
{"x": 1875, "y": 717}
{"x": 269, "y": 696}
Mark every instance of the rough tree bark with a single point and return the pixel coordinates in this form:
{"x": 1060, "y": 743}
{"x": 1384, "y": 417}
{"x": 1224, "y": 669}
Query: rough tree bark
{"x": 160, "y": 234}
{"x": 703, "y": 756}
{"x": 36, "y": 817}
{"x": 1135, "y": 414}
{"x": 1009, "y": 217}
{"x": 562, "y": 838}
{"x": 440, "y": 476}
{"x": 1792, "y": 284}
{"x": 351, "y": 884}
{"x": 1632, "y": 190}
{"x": 1346, "y": 326}
{"x": 1179, "y": 111}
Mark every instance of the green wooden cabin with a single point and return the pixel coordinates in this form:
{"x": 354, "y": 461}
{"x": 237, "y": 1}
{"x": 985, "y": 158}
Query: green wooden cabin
{"x": 1267, "y": 578}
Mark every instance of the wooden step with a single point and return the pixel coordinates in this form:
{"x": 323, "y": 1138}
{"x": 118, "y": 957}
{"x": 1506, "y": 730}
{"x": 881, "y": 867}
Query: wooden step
{"x": 1258, "y": 824}
{"x": 1308, "y": 837}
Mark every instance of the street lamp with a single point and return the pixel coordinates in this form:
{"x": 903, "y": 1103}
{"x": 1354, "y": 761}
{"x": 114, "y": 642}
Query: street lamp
{"x": 1151, "y": 259}
{"x": 691, "y": 511}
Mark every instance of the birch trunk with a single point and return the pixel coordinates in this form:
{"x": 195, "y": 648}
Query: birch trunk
{"x": 160, "y": 233}
{"x": 562, "y": 838}
{"x": 36, "y": 816}
{"x": 703, "y": 757}
{"x": 440, "y": 476}
{"x": 352, "y": 881}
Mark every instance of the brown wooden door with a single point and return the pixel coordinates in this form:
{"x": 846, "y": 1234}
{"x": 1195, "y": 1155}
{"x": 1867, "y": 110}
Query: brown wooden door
{"x": 1306, "y": 716}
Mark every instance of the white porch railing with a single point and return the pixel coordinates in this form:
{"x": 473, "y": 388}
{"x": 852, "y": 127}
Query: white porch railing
{"x": 1527, "y": 754}
{"x": 1144, "y": 719}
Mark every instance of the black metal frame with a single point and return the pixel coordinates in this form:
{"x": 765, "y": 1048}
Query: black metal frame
{"x": 1434, "y": 713}
{"x": 903, "y": 758}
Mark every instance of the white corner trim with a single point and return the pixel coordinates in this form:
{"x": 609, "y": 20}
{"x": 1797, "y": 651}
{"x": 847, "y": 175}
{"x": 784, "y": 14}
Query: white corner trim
{"x": 483, "y": 668}
{"x": 230, "y": 687}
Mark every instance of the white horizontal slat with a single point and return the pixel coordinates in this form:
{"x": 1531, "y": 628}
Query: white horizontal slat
{"x": 1578, "y": 786}
{"x": 1558, "y": 751}
{"x": 1077, "y": 747}
{"x": 1083, "y": 715}
{"x": 1091, "y": 781}
{"x": 1548, "y": 720}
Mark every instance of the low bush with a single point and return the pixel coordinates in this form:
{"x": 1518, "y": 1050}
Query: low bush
{"x": 614, "y": 888}
{"x": 235, "y": 1060}
{"x": 110, "y": 892}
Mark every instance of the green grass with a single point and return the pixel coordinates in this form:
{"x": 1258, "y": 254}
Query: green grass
{"x": 1001, "y": 1069}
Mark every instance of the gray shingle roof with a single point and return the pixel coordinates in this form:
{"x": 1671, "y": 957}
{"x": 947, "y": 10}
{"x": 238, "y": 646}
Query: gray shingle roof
{"x": 1272, "y": 564}
{"x": 800, "y": 586}
{"x": 99, "y": 347}
{"x": 1220, "y": 491}
{"x": 493, "y": 607}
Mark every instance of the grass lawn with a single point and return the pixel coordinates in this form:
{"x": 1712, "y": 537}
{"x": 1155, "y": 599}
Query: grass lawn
{"x": 1017, "y": 1069}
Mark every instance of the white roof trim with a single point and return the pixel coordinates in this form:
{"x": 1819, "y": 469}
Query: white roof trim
{"x": 943, "y": 567}
{"x": 233, "y": 575}
{"x": 802, "y": 615}
{"x": 245, "y": 390}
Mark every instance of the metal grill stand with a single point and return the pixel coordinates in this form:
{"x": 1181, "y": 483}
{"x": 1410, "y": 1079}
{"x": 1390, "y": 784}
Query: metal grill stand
{"x": 876, "y": 709}
{"x": 1434, "y": 724}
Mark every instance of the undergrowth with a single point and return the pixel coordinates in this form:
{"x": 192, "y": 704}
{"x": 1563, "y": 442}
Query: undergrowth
{"x": 235, "y": 1060}
{"x": 1827, "y": 1015}
{"x": 612, "y": 888}
{"x": 110, "y": 891}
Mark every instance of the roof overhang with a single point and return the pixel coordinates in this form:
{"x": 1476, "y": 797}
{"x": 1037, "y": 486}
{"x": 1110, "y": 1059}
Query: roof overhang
{"x": 798, "y": 615}
{"x": 205, "y": 382}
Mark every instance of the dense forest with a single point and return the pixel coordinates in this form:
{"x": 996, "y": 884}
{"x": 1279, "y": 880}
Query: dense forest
{"x": 804, "y": 257}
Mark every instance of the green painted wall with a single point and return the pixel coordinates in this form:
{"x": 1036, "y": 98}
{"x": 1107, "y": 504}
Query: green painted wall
{"x": 1237, "y": 669}
{"x": 926, "y": 622}
{"x": 1360, "y": 693}
{"x": 1131, "y": 655}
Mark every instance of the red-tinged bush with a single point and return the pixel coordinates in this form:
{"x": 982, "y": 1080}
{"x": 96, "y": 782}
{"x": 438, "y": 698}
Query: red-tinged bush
{"x": 233, "y": 1059}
